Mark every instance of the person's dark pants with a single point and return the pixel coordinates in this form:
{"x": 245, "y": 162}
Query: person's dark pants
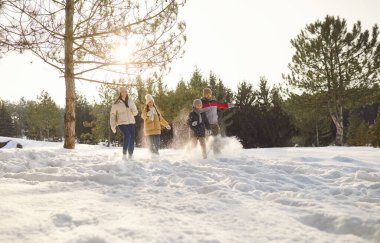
{"x": 215, "y": 129}
{"x": 154, "y": 143}
{"x": 202, "y": 142}
{"x": 128, "y": 132}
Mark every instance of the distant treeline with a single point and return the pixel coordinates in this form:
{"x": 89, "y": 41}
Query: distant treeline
{"x": 331, "y": 95}
{"x": 267, "y": 117}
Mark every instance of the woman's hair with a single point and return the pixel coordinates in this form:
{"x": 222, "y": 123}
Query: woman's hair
{"x": 119, "y": 98}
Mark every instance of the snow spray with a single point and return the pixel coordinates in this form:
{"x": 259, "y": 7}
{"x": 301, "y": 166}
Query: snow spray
{"x": 181, "y": 139}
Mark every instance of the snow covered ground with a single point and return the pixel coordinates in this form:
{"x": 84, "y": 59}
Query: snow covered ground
{"x": 91, "y": 195}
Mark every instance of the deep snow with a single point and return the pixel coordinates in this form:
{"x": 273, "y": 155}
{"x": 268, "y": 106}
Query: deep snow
{"x": 92, "y": 195}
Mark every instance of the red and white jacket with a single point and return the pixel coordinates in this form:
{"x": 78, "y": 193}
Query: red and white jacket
{"x": 210, "y": 107}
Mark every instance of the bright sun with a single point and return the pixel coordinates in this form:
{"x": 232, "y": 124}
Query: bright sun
{"x": 122, "y": 53}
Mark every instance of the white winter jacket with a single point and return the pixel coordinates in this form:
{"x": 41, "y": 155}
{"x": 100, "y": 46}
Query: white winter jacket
{"x": 121, "y": 115}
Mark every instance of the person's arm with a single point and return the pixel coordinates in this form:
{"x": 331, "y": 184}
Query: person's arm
{"x": 189, "y": 120}
{"x": 205, "y": 109}
{"x": 113, "y": 114}
{"x": 133, "y": 108}
{"x": 205, "y": 120}
{"x": 164, "y": 123}
{"x": 217, "y": 104}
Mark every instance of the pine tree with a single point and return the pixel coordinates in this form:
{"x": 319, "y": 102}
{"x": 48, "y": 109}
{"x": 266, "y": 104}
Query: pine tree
{"x": 43, "y": 119}
{"x": 161, "y": 98}
{"x": 17, "y": 111}
{"x": 358, "y": 131}
{"x": 263, "y": 97}
{"x": 196, "y": 84}
{"x": 275, "y": 126}
{"x": 245, "y": 119}
{"x": 212, "y": 81}
{"x": 141, "y": 91}
{"x": 19, "y": 114}
{"x": 100, "y": 116}
{"x": 7, "y": 128}
{"x": 280, "y": 121}
{"x": 311, "y": 119}
{"x": 338, "y": 63}
{"x": 32, "y": 121}
{"x": 82, "y": 113}
{"x": 50, "y": 116}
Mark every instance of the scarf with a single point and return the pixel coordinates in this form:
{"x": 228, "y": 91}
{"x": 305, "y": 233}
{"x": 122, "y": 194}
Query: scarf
{"x": 199, "y": 115}
{"x": 151, "y": 113}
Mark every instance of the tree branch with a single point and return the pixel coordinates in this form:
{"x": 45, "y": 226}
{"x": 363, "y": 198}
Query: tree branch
{"x": 125, "y": 26}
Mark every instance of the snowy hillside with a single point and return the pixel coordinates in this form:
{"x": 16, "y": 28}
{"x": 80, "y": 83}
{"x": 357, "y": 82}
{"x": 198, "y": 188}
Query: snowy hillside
{"x": 49, "y": 194}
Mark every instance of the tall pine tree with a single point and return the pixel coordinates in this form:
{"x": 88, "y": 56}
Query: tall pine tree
{"x": 82, "y": 113}
{"x": 7, "y": 128}
{"x": 43, "y": 119}
{"x": 336, "y": 62}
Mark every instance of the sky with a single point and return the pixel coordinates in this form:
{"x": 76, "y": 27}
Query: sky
{"x": 236, "y": 39}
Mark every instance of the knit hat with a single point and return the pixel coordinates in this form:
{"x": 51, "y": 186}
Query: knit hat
{"x": 197, "y": 102}
{"x": 122, "y": 88}
{"x": 206, "y": 92}
{"x": 148, "y": 98}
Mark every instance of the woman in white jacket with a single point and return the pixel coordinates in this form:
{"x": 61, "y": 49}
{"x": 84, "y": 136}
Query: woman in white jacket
{"x": 122, "y": 115}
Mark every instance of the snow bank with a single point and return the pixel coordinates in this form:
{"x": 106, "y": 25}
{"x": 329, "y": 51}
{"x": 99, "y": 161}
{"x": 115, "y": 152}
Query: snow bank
{"x": 49, "y": 194}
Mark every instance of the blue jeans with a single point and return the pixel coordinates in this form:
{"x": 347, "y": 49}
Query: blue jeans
{"x": 128, "y": 132}
{"x": 154, "y": 143}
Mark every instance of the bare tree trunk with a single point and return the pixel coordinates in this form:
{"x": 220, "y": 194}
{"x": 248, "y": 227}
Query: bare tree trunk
{"x": 69, "y": 129}
{"x": 337, "y": 117}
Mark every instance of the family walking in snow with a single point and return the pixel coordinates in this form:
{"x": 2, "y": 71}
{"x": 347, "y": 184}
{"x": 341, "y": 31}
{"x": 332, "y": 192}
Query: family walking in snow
{"x": 202, "y": 121}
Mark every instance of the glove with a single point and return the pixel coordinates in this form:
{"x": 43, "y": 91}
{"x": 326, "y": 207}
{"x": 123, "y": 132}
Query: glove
{"x": 208, "y": 132}
{"x": 113, "y": 129}
{"x": 194, "y": 123}
{"x": 168, "y": 127}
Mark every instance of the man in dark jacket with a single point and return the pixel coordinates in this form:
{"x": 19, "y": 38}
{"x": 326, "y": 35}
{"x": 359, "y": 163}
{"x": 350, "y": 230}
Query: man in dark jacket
{"x": 198, "y": 123}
